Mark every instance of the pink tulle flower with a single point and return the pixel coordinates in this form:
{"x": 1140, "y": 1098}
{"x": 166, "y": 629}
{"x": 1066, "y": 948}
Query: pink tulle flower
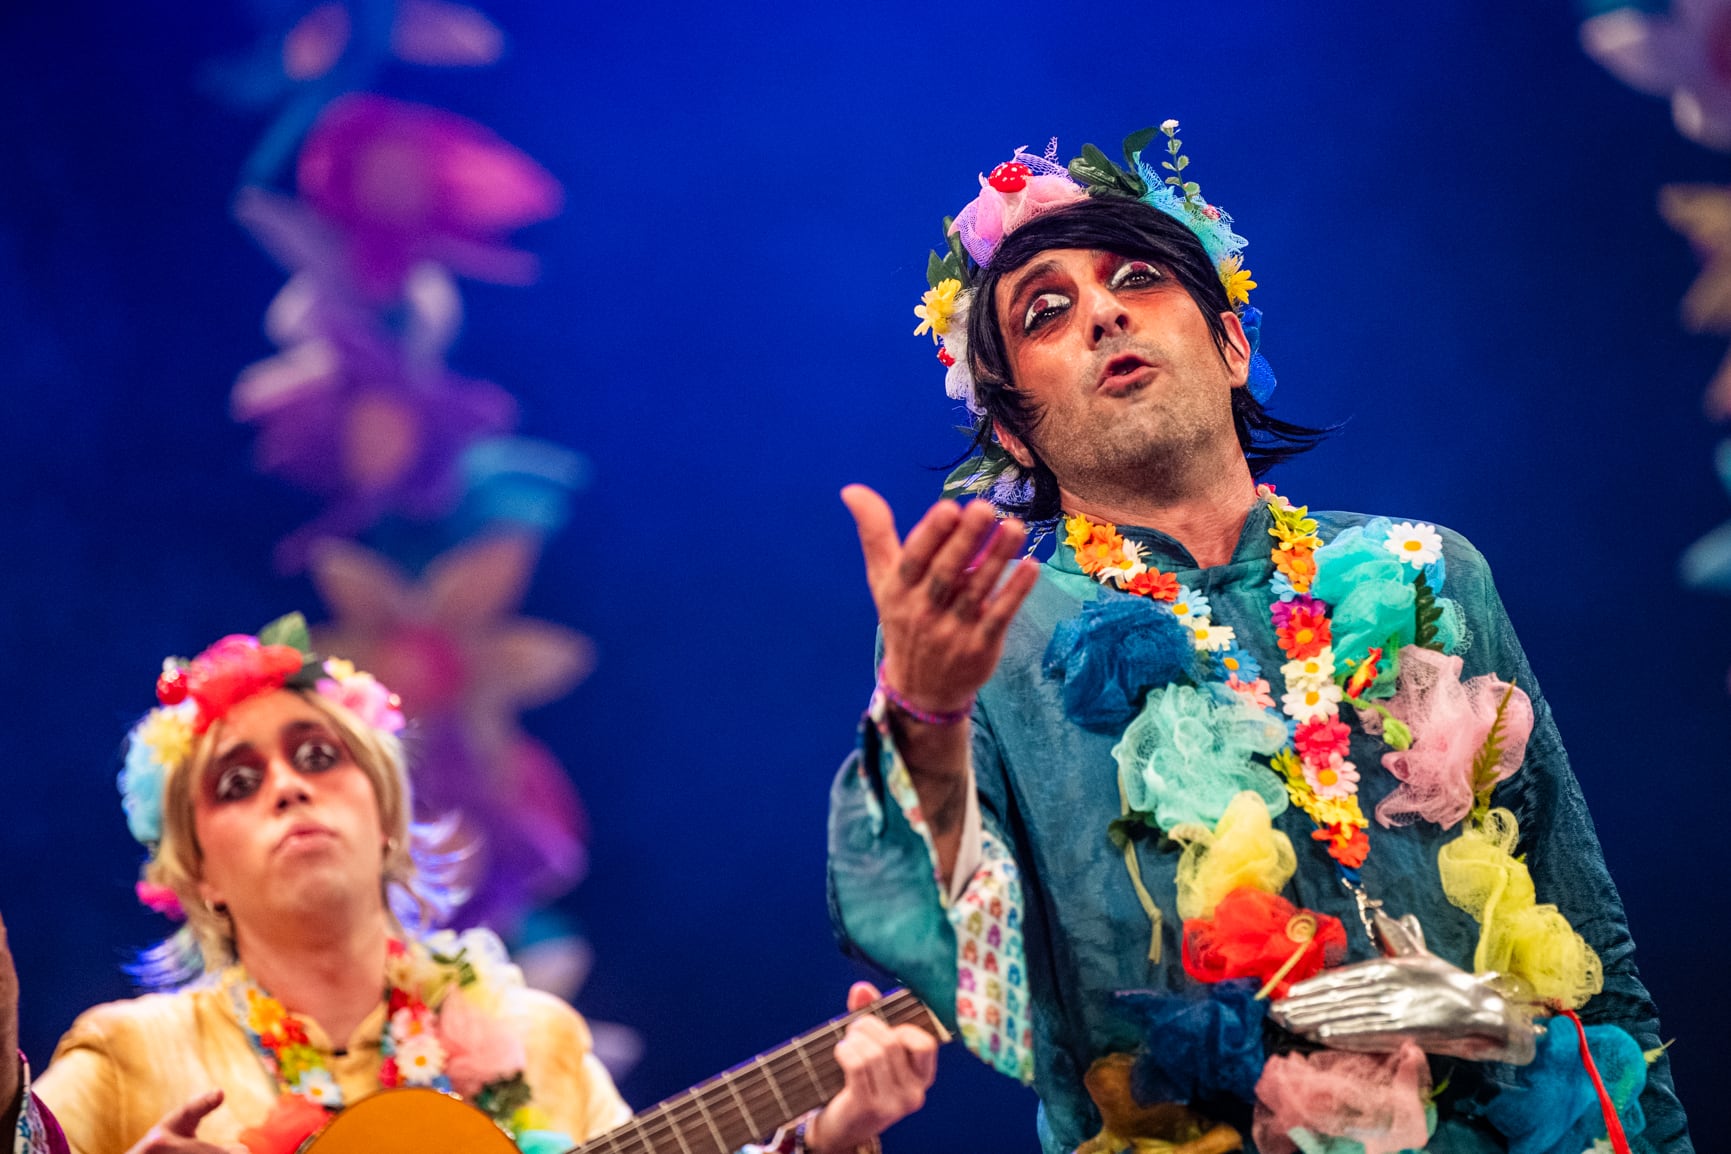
{"x": 1449, "y": 720}
{"x": 480, "y": 1047}
{"x": 993, "y": 215}
{"x": 408, "y": 183}
{"x": 161, "y": 899}
{"x": 1377, "y": 1100}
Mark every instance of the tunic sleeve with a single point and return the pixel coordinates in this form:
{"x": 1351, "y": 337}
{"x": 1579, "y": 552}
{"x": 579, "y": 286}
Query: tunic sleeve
{"x": 960, "y": 951}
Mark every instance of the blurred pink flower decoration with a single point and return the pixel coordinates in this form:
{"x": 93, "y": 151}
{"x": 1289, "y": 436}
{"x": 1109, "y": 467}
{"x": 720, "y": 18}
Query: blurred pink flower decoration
{"x": 406, "y": 183}
{"x": 464, "y": 666}
{"x": 480, "y": 1047}
{"x": 424, "y": 32}
{"x": 1685, "y": 55}
{"x": 1450, "y": 720}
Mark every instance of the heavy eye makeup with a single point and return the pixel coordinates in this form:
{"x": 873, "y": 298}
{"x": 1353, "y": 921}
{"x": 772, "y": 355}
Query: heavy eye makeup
{"x": 240, "y": 772}
{"x": 1133, "y": 274}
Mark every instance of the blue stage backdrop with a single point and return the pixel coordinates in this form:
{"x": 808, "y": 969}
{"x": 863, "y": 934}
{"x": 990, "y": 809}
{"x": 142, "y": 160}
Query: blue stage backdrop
{"x": 1452, "y": 218}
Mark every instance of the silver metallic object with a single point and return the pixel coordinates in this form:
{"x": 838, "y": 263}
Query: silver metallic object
{"x": 1410, "y": 994}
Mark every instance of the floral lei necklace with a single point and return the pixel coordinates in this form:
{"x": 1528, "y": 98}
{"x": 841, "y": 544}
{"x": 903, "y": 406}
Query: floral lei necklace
{"x": 1313, "y": 766}
{"x": 444, "y": 1031}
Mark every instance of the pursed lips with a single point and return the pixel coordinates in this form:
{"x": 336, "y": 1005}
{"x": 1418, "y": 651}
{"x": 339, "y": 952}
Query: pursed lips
{"x": 304, "y": 831}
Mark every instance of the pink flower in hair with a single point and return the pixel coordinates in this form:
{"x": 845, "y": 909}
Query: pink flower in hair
{"x": 481, "y": 1047}
{"x": 362, "y": 695}
{"x": 161, "y": 899}
{"x": 1016, "y": 192}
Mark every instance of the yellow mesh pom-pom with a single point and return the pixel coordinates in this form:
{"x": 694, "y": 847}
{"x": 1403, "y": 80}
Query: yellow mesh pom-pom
{"x": 1244, "y": 850}
{"x": 1517, "y": 936}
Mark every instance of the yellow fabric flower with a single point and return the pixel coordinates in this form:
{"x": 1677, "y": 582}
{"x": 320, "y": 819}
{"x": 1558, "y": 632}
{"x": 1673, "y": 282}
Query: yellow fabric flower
{"x": 1236, "y": 280}
{"x": 263, "y": 1015}
{"x": 167, "y": 733}
{"x": 936, "y": 308}
{"x": 1077, "y": 530}
{"x": 529, "y": 1118}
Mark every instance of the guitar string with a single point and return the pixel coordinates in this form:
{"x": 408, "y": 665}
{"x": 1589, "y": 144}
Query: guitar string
{"x": 679, "y": 1114}
{"x": 659, "y": 1122}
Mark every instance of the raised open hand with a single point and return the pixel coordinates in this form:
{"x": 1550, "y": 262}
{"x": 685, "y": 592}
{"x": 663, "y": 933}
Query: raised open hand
{"x": 1371, "y": 1007}
{"x": 938, "y": 595}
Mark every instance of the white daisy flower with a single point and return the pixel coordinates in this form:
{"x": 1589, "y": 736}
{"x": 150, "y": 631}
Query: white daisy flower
{"x": 1309, "y": 672}
{"x": 318, "y": 1086}
{"x": 1312, "y": 701}
{"x": 1211, "y": 638}
{"x": 420, "y": 1059}
{"x": 1417, "y": 545}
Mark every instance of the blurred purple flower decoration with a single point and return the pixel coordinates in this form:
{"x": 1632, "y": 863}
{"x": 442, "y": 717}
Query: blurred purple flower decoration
{"x": 1685, "y": 55}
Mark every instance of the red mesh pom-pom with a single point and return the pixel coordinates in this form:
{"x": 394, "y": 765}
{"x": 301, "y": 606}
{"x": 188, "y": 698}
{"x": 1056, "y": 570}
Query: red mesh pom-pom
{"x": 1253, "y": 934}
{"x": 234, "y": 669}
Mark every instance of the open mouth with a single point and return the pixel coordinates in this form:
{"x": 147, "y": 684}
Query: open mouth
{"x": 1120, "y": 369}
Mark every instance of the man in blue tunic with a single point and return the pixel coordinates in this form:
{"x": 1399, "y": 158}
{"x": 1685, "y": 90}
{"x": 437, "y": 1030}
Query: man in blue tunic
{"x": 1229, "y": 824}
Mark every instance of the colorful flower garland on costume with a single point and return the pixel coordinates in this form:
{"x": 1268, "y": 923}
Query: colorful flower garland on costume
{"x": 1318, "y": 778}
{"x": 445, "y": 1031}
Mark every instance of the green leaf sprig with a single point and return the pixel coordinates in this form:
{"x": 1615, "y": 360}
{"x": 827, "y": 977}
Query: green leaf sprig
{"x": 1484, "y": 775}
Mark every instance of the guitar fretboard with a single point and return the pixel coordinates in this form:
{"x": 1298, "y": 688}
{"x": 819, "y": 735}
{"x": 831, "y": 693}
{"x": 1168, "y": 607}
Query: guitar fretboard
{"x": 750, "y": 1101}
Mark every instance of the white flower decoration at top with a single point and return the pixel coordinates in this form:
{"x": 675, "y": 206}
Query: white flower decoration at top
{"x": 1310, "y": 672}
{"x": 420, "y": 1059}
{"x": 1417, "y": 545}
{"x": 1680, "y": 55}
{"x": 1311, "y": 702}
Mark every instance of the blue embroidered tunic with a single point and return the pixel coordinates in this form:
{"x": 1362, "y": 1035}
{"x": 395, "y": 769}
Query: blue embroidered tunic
{"x": 1047, "y": 792}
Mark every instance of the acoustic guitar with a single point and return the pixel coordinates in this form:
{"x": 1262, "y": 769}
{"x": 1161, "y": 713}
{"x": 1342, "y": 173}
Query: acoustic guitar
{"x": 745, "y": 1104}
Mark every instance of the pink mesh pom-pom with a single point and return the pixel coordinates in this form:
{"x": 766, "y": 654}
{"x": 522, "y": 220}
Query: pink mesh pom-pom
{"x": 1450, "y": 721}
{"x": 1377, "y": 1100}
{"x": 993, "y": 215}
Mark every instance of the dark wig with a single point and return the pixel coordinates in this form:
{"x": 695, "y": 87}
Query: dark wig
{"x": 1141, "y": 232}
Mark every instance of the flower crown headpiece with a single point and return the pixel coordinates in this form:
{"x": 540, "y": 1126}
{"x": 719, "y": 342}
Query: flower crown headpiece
{"x": 195, "y": 694}
{"x": 1026, "y": 187}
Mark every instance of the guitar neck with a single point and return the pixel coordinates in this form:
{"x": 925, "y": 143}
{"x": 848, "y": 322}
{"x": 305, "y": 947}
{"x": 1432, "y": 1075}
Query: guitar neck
{"x": 750, "y": 1101}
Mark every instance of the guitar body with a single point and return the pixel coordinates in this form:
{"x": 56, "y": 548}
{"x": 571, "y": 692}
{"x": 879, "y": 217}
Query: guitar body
{"x": 719, "y": 1116}
{"x": 411, "y": 1120}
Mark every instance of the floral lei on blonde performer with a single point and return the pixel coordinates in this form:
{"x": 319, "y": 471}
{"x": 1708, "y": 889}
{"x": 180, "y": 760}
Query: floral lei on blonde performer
{"x": 446, "y": 1031}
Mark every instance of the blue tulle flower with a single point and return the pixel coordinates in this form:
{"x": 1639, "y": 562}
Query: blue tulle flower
{"x": 1200, "y": 1044}
{"x": 1188, "y": 754}
{"x": 1281, "y": 587}
{"x": 141, "y": 783}
{"x": 1109, "y": 655}
{"x": 1553, "y": 1108}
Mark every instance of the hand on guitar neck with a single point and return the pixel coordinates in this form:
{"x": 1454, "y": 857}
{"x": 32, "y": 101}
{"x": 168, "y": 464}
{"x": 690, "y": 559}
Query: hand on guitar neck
{"x": 887, "y": 1069}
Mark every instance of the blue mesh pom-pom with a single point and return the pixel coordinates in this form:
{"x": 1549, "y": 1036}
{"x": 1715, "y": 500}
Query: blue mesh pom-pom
{"x": 1553, "y": 1109}
{"x": 1197, "y": 1045}
{"x": 1111, "y": 654}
